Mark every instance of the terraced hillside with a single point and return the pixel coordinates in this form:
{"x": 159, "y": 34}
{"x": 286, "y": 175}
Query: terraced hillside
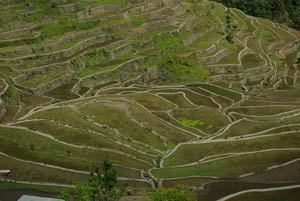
{"x": 154, "y": 86}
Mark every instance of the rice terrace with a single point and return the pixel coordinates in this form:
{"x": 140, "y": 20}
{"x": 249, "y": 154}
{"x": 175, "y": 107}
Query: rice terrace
{"x": 170, "y": 92}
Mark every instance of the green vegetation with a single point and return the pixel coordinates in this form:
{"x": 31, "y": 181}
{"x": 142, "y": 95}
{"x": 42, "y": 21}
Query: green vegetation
{"x": 239, "y": 165}
{"x": 207, "y": 39}
{"x": 12, "y": 95}
{"x": 281, "y": 10}
{"x": 220, "y": 91}
{"x": 252, "y": 61}
{"x": 100, "y": 187}
{"x": 172, "y": 134}
{"x": 36, "y": 80}
{"x": 13, "y": 185}
{"x": 196, "y": 152}
{"x": 17, "y": 143}
{"x": 178, "y": 99}
{"x": 193, "y": 96}
{"x": 63, "y": 92}
{"x": 245, "y": 127}
{"x": 11, "y": 111}
{"x": 190, "y": 122}
{"x": 151, "y": 102}
{"x": 206, "y": 119}
{"x": 172, "y": 87}
{"x": 127, "y": 127}
{"x": 180, "y": 70}
{"x": 37, "y": 173}
{"x": 264, "y": 110}
{"x": 288, "y": 195}
{"x": 173, "y": 194}
{"x": 229, "y": 27}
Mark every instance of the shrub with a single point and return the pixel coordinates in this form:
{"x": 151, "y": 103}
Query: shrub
{"x": 180, "y": 193}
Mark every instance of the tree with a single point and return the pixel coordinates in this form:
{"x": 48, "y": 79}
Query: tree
{"x": 180, "y": 193}
{"x": 229, "y": 27}
{"x": 100, "y": 187}
{"x": 285, "y": 11}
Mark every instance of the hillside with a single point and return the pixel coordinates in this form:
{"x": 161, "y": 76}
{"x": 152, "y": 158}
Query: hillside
{"x": 284, "y": 11}
{"x": 175, "y": 92}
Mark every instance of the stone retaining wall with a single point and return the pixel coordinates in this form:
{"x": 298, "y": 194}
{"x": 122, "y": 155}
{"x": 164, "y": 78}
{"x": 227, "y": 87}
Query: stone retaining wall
{"x": 63, "y": 53}
{"x": 145, "y": 45}
{"x": 236, "y": 85}
{"x": 273, "y": 45}
{"x": 243, "y": 53}
{"x": 18, "y": 32}
{"x": 120, "y": 73}
{"x": 191, "y": 39}
{"x": 141, "y": 9}
{"x": 290, "y": 48}
{"x": 190, "y": 22}
{"x": 255, "y": 78}
{"x": 210, "y": 50}
{"x": 111, "y": 53}
{"x": 66, "y": 8}
{"x": 97, "y": 10}
{"x": 118, "y": 27}
{"x": 223, "y": 69}
{"x": 20, "y": 78}
{"x": 277, "y": 84}
{"x": 57, "y": 44}
{"x": 273, "y": 79}
{"x": 49, "y": 86}
{"x": 21, "y": 41}
{"x": 161, "y": 13}
{"x": 256, "y": 71}
{"x": 227, "y": 77}
{"x": 155, "y": 24}
{"x": 43, "y": 69}
{"x": 215, "y": 58}
{"x": 115, "y": 53}
{"x": 51, "y": 46}
{"x": 151, "y": 74}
